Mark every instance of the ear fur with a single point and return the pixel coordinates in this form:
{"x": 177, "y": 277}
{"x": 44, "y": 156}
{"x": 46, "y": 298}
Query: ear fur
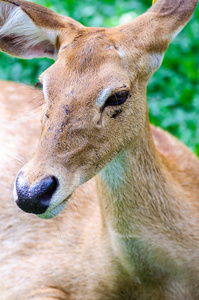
{"x": 156, "y": 28}
{"x": 173, "y": 15}
{"x": 29, "y": 30}
{"x": 152, "y": 32}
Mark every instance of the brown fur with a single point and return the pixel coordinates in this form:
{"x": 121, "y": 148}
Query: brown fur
{"x": 130, "y": 233}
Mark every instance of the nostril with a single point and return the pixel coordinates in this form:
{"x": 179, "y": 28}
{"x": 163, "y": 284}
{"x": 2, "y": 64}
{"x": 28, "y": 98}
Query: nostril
{"x": 36, "y": 198}
{"x": 47, "y": 188}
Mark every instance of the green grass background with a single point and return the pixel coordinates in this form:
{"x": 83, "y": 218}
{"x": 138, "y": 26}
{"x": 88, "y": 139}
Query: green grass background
{"x": 173, "y": 91}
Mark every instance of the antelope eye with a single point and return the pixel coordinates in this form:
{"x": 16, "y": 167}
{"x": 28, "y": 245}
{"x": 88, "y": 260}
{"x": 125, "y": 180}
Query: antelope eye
{"x": 39, "y": 85}
{"x": 117, "y": 98}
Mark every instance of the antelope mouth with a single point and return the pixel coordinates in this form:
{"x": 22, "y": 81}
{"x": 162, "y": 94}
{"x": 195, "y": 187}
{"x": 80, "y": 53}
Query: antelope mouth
{"x": 54, "y": 211}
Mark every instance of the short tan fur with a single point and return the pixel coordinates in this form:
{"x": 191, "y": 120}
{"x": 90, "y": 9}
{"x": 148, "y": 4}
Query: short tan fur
{"x": 132, "y": 231}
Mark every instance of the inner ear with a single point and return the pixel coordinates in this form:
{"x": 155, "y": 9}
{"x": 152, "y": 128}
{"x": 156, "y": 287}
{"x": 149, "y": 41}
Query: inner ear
{"x": 42, "y": 49}
{"x": 21, "y": 37}
{"x": 18, "y": 46}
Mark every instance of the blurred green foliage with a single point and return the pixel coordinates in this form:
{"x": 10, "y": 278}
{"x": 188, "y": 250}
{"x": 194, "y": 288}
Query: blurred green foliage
{"x": 173, "y": 96}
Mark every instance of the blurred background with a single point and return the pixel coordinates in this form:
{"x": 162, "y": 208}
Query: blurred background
{"x": 173, "y": 91}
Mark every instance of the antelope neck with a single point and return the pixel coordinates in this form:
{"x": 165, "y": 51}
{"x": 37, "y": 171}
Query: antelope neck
{"x": 133, "y": 190}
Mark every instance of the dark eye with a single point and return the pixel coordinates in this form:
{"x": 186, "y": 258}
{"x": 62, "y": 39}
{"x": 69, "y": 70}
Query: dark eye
{"x": 117, "y": 98}
{"x": 39, "y": 85}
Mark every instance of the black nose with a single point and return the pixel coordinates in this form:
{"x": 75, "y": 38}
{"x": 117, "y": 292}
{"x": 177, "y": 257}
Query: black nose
{"x": 36, "y": 198}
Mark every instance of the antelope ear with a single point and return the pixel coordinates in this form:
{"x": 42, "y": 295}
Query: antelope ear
{"x": 29, "y": 30}
{"x": 151, "y": 33}
{"x": 171, "y": 16}
{"x": 156, "y": 28}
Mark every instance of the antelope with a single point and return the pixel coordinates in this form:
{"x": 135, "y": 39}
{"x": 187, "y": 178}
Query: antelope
{"x": 125, "y": 193}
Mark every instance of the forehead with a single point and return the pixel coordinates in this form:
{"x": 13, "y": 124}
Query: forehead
{"x": 89, "y": 50}
{"x": 88, "y": 63}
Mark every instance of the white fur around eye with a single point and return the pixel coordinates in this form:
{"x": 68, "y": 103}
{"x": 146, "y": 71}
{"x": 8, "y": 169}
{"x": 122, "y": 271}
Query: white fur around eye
{"x": 104, "y": 94}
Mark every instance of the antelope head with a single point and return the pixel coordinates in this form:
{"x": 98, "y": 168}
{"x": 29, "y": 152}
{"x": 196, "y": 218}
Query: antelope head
{"x": 94, "y": 93}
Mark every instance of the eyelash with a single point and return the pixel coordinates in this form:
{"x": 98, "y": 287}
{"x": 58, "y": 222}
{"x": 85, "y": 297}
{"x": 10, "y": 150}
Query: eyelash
{"x": 117, "y": 98}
